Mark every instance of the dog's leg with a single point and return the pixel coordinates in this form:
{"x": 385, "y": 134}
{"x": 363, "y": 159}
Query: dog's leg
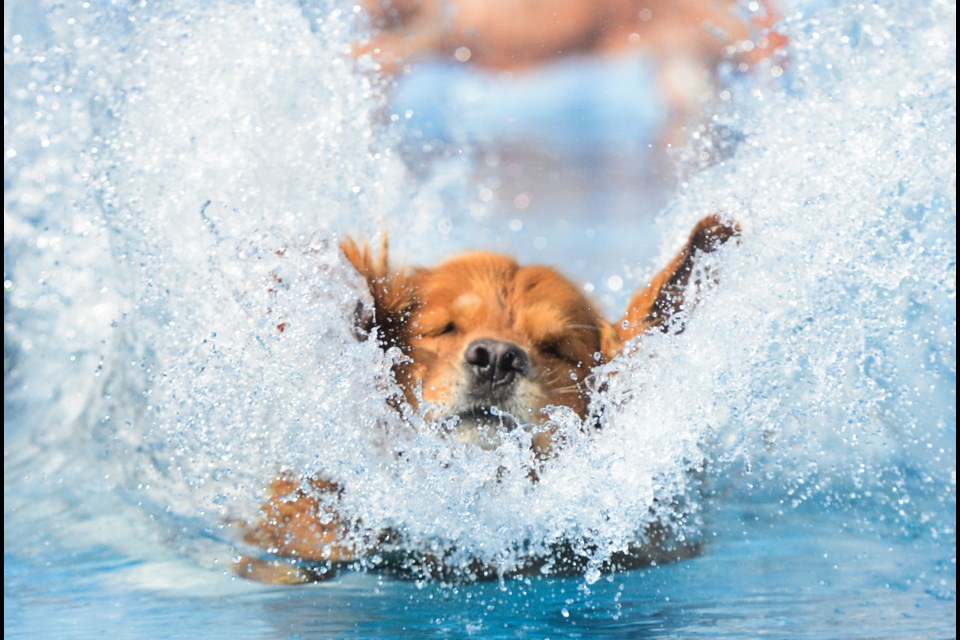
{"x": 656, "y": 305}
{"x": 303, "y": 533}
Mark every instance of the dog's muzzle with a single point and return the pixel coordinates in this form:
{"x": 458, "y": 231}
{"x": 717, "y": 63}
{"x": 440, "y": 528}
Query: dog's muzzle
{"x": 495, "y": 365}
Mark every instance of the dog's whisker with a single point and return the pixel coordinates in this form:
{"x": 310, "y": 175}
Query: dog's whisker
{"x": 568, "y": 389}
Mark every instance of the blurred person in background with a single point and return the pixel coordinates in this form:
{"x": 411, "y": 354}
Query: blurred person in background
{"x": 684, "y": 40}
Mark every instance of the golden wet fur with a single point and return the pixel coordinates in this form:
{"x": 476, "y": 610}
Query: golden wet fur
{"x": 490, "y": 345}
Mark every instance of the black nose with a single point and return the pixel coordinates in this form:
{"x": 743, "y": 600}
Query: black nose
{"x": 496, "y": 362}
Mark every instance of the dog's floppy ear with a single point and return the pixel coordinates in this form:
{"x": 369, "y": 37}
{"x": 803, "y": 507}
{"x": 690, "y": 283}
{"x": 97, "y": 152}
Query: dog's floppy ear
{"x": 392, "y": 293}
{"x": 610, "y": 343}
{"x": 657, "y": 306}
{"x": 363, "y": 260}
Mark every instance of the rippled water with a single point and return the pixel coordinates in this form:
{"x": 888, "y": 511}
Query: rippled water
{"x": 176, "y": 180}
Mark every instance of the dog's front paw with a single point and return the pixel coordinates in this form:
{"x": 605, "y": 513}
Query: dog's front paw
{"x": 283, "y": 571}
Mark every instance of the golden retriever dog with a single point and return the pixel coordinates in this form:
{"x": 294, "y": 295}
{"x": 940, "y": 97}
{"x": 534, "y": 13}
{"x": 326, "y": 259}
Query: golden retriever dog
{"x": 489, "y": 342}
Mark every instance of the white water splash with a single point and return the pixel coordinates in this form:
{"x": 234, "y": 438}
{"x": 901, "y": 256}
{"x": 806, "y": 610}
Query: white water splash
{"x": 179, "y": 319}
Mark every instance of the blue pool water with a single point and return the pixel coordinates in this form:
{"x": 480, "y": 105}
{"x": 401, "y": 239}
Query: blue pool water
{"x": 803, "y": 576}
{"x": 165, "y": 165}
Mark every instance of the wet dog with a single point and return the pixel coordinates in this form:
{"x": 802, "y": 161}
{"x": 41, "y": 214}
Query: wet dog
{"x": 489, "y": 344}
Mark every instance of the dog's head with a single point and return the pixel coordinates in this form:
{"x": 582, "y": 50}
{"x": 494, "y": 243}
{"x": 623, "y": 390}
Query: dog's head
{"x": 491, "y": 344}
{"x": 488, "y": 342}
{"x": 495, "y": 343}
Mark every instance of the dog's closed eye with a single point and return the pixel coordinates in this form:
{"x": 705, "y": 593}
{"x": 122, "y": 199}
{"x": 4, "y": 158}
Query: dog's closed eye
{"x": 446, "y": 330}
{"x": 559, "y": 349}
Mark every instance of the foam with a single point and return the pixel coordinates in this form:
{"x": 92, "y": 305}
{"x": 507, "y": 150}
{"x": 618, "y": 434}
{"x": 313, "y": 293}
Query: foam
{"x": 179, "y": 322}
